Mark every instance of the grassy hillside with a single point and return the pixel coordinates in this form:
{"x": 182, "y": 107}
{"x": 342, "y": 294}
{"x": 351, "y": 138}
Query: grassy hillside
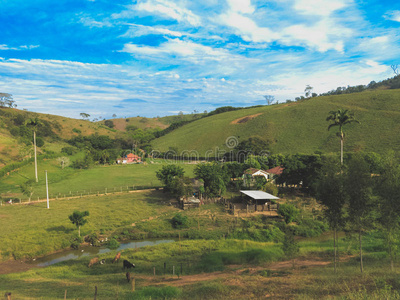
{"x": 12, "y": 148}
{"x": 152, "y": 123}
{"x": 298, "y": 127}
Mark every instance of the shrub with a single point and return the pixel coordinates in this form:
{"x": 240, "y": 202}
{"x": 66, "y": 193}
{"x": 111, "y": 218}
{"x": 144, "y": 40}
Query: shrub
{"x": 76, "y": 240}
{"x": 76, "y": 130}
{"x": 93, "y": 240}
{"x": 180, "y": 221}
{"x": 288, "y": 212}
{"x": 69, "y": 150}
{"x": 113, "y": 244}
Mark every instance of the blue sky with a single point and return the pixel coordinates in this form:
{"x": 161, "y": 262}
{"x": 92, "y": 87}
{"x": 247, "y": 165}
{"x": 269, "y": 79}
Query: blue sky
{"x": 158, "y": 57}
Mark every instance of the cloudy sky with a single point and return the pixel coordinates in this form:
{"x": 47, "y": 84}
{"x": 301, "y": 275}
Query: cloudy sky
{"x": 158, "y": 57}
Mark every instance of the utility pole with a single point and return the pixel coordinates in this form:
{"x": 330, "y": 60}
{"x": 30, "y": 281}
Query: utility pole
{"x": 34, "y": 144}
{"x": 47, "y": 191}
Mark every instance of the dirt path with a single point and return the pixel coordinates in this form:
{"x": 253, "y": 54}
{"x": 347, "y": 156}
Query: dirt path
{"x": 230, "y": 273}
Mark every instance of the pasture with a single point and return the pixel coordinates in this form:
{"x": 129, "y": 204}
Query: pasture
{"x": 32, "y": 230}
{"x": 220, "y": 269}
{"x": 298, "y": 127}
{"x": 73, "y": 182}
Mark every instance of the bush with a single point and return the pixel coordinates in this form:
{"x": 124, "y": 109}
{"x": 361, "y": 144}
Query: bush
{"x": 288, "y": 212}
{"x": 69, "y": 150}
{"x": 76, "y": 241}
{"x": 180, "y": 221}
{"x": 93, "y": 240}
{"x": 113, "y": 244}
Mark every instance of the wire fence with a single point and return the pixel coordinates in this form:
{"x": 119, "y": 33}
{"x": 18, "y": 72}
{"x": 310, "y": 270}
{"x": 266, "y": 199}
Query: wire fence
{"x": 79, "y": 194}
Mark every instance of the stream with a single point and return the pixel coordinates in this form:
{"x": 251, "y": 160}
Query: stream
{"x": 54, "y": 258}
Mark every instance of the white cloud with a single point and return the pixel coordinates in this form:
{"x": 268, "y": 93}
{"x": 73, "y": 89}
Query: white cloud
{"x": 90, "y": 22}
{"x": 19, "y": 48}
{"x": 323, "y": 36}
{"x": 319, "y": 7}
{"x": 185, "y": 49}
{"x": 136, "y": 30}
{"x": 170, "y": 10}
{"x": 241, "y": 6}
{"x": 247, "y": 28}
{"x": 393, "y": 15}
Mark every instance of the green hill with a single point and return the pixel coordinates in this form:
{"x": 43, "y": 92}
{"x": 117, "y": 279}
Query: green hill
{"x": 16, "y": 145}
{"x": 297, "y": 127}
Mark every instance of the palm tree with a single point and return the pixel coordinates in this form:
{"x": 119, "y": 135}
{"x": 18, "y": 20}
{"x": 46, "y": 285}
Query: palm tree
{"x": 340, "y": 118}
{"x": 34, "y": 123}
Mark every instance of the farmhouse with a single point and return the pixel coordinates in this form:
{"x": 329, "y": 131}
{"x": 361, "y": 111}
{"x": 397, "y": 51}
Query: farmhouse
{"x": 255, "y": 172}
{"x": 129, "y": 159}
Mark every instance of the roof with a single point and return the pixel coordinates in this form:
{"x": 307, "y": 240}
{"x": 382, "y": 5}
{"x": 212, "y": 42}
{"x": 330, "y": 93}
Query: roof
{"x": 277, "y": 170}
{"x": 253, "y": 170}
{"x": 259, "y": 195}
{"x": 132, "y": 155}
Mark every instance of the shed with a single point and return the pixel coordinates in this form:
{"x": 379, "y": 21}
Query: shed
{"x": 259, "y": 198}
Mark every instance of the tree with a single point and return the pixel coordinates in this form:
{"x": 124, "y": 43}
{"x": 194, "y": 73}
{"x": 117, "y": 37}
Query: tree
{"x": 395, "y": 69}
{"x": 27, "y": 188}
{"x": 308, "y": 91}
{"x": 7, "y": 100}
{"x": 288, "y": 212}
{"x": 340, "y": 118}
{"x": 63, "y": 161}
{"x": 109, "y": 123}
{"x": 358, "y": 187}
{"x": 84, "y": 115}
{"x": 289, "y": 245}
{"x": 214, "y": 176}
{"x": 270, "y": 99}
{"x": 34, "y": 123}
{"x": 388, "y": 187}
{"x": 330, "y": 193}
{"x": 167, "y": 175}
{"x": 78, "y": 218}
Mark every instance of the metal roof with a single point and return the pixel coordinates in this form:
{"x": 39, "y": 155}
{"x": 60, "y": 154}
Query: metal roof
{"x": 259, "y": 195}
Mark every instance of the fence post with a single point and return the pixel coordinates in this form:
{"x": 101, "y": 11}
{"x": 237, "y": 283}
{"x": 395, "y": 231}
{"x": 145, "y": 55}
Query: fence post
{"x": 133, "y": 284}
{"x": 65, "y": 295}
{"x": 95, "y": 292}
{"x": 154, "y": 271}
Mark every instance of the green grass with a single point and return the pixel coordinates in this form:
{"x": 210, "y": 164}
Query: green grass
{"x": 254, "y": 282}
{"x": 72, "y": 182}
{"x": 32, "y": 230}
{"x": 298, "y": 127}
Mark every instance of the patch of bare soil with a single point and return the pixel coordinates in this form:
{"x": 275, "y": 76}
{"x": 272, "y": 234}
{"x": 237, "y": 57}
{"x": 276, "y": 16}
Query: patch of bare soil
{"x": 231, "y": 275}
{"x": 14, "y": 266}
{"x": 245, "y": 119}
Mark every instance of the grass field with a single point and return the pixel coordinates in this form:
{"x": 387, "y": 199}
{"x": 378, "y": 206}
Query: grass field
{"x": 223, "y": 269}
{"x": 32, "y": 230}
{"x": 74, "y": 182}
{"x": 298, "y": 127}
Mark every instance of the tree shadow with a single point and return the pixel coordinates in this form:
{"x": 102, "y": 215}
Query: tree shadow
{"x": 60, "y": 228}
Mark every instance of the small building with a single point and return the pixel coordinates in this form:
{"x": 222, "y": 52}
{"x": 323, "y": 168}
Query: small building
{"x": 256, "y": 172}
{"x": 259, "y": 199}
{"x": 275, "y": 172}
{"x": 129, "y": 159}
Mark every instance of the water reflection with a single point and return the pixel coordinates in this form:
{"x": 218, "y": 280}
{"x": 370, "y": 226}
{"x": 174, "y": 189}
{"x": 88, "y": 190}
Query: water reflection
{"x": 89, "y": 251}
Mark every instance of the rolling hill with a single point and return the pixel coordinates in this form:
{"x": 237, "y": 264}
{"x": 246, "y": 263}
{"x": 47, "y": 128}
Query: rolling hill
{"x": 12, "y": 148}
{"x": 297, "y": 127}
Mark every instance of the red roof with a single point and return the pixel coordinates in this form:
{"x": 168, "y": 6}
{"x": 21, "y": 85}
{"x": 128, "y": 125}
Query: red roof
{"x": 277, "y": 170}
